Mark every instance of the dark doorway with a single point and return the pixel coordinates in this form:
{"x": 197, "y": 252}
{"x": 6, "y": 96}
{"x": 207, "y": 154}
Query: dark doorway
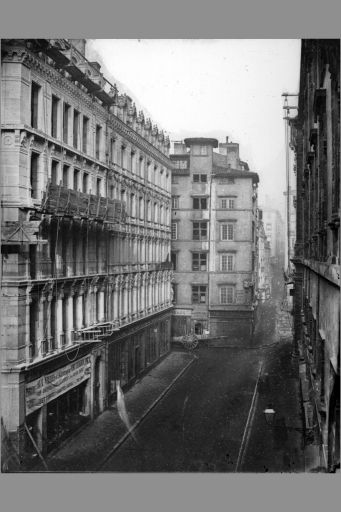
{"x": 97, "y": 385}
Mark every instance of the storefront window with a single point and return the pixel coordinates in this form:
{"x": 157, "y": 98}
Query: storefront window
{"x": 65, "y": 414}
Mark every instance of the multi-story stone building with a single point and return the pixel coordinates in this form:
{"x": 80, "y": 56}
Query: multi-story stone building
{"x": 316, "y": 138}
{"x": 86, "y": 273}
{"x": 214, "y": 221}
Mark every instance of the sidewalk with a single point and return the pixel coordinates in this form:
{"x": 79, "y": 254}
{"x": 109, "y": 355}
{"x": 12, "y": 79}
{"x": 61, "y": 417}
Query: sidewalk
{"x": 278, "y": 447}
{"x": 86, "y": 451}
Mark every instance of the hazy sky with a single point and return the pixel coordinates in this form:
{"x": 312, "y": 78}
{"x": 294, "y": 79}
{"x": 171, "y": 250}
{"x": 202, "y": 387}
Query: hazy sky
{"x": 207, "y": 87}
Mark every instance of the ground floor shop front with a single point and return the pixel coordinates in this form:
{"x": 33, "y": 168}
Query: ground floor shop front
{"x": 53, "y": 399}
{"x": 59, "y": 401}
{"x": 135, "y": 349}
{"x": 233, "y": 327}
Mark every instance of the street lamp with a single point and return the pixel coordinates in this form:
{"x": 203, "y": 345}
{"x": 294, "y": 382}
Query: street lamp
{"x": 269, "y": 414}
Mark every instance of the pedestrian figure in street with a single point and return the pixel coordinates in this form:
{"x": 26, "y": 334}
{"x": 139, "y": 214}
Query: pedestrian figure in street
{"x": 122, "y": 410}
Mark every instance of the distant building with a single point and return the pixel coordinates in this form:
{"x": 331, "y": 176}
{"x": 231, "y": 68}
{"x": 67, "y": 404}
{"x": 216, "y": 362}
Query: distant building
{"x": 86, "y": 272}
{"x": 316, "y": 138}
{"x": 214, "y": 222}
{"x": 275, "y": 233}
{"x": 264, "y": 270}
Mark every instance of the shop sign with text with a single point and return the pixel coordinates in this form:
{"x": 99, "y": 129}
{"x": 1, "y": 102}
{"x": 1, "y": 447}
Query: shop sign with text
{"x": 50, "y": 386}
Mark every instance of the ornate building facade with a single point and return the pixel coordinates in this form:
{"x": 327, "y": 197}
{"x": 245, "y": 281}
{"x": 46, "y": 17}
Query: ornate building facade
{"x": 315, "y": 135}
{"x": 214, "y": 241}
{"x": 86, "y": 274}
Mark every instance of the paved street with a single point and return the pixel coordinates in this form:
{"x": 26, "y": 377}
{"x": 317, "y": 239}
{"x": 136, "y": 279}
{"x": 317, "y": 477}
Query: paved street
{"x": 199, "y": 425}
{"x": 212, "y": 419}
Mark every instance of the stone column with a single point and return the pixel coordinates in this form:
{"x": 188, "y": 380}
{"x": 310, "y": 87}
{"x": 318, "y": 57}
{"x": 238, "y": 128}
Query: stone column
{"x": 124, "y": 301}
{"x": 159, "y": 296}
{"x": 79, "y": 312}
{"x": 117, "y": 299}
{"x": 142, "y": 297}
{"x": 71, "y": 176}
{"x": 48, "y": 332}
{"x": 137, "y": 297}
{"x": 141, "y": 255}
{"x": 100, "y": 313}
{"x": 151, "y": 293}
{"x": 42, "y": 173}
{"x": 40, "y": 327}
{"x": 87, "y": 308}
{"x": 130, "y": 249}
{"x": 155, "y": 301}
{"x": 147, "y": 294}
{"x": 69, "y": 318}
{"x": 132, "y": 300}
{"x": 162, "y": 299}
{"x": 59, "y": 320}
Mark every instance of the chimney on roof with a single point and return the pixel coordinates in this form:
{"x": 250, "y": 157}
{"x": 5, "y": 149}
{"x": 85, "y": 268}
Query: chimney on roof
{"x": 227, "y": 140}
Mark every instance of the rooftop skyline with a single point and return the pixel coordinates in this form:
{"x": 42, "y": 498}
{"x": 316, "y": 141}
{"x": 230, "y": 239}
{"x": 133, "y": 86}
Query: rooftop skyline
{"x": 212, "y": 88}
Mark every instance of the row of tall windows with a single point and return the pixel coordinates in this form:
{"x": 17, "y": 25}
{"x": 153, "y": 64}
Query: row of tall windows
{"x": 201, "y": 203}
{"x": 200, "y": 230}
{"x": 129, "y": 160}
{"x": 200, "y": 294}
{"x": 138, "y": 208}
{"x": 200, "y": 261}
{"x": 73, "y": 128}
{"x": 73, "y": 131}
{"x": 75, "y": 179}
